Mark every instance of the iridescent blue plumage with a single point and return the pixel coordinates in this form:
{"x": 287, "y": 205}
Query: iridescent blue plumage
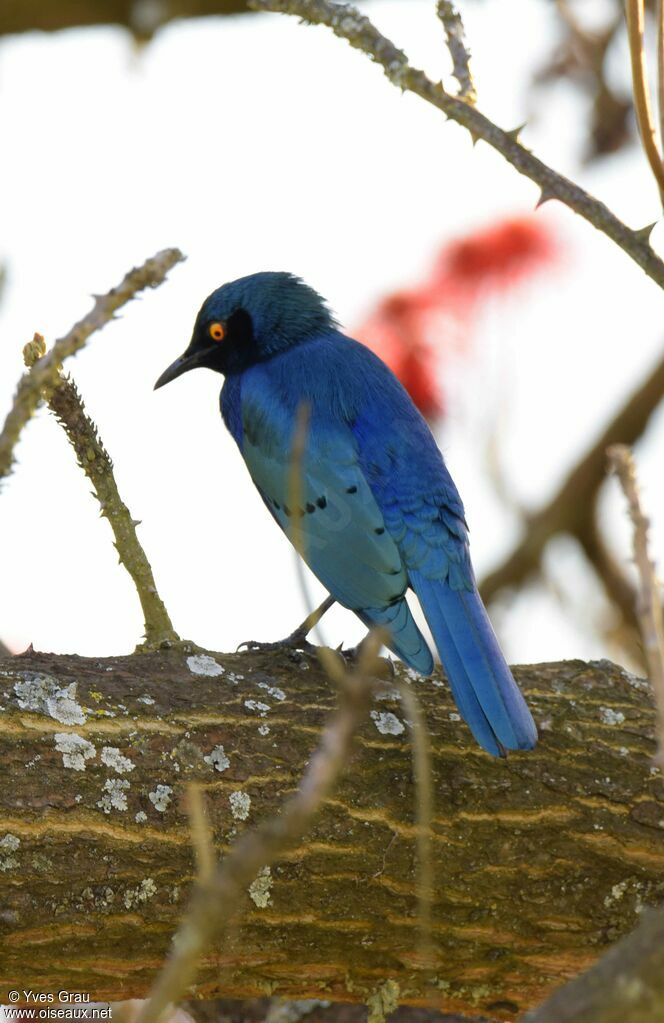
{"x": 377, "y": 510}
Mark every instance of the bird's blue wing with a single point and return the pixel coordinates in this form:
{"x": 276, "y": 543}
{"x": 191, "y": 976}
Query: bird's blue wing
{"x": 423, "y": 513}
{"x": 328, "y": 510}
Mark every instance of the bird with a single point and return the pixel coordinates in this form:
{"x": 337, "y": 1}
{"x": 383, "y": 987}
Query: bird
{"x": 377, "y": 513}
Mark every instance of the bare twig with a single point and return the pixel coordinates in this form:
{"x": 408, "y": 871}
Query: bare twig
{"x": 346, "y": 22}
{"x": 200, "y": 832}
{"x": 217, "y": 897}
{"x": 635, "y": 12}
{"x": 648, "y": 607}
{"x": 44, "y": 373}
{"x": 456, "y": 43}
{"x": 424, "y": 810}
{"x": 65, "y": 402}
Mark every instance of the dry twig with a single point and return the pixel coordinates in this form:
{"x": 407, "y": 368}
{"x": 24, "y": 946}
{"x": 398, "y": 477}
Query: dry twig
{"x": 66, "y": 404}
{"x": 44, "y": 373}
{"x": 648, "y": 606}
{"x": 635, "y": 11}
{"x": 218, "y": 895}
{"x": 347, "y": 23}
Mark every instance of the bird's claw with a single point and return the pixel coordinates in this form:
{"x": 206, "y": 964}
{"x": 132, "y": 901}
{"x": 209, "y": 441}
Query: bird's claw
{"x": 296, "y": 641}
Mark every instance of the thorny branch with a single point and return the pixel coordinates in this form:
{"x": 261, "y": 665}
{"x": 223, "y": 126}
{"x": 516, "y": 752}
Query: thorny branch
{"x": 456, "y": 43}
{"x": 66, "y": 404}
{"x": 648, "y": 606}
{"x": 219, "y": 892}
{"x": 347, "y": 23}
{"x": 44, "y": 374}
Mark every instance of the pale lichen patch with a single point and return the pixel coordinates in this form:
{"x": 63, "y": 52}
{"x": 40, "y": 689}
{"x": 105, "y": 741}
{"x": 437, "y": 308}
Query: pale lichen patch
{"x": 202, "y": 664}
{"x": 240, "y": 804}
{"x": 114, "y": 795}
{"x": 273, "y": 691}
{"x": 259, "y": 708}
{"x": 113, "y": 758}
{"x": 217, "y": 758}
{"x": 387, "y": 723}
{"x": 146, "y": 890}
{"x": 260, "y": 888}
{"x": 161, "y": 797}
{"x": 75, "y": 750}
{"x": 8, "y": 846}
{"x": 383, "y": 1002}
{"x": 608, "y": 716}
{"x": 43, "y": 695}
{"x": 616, "y": 894}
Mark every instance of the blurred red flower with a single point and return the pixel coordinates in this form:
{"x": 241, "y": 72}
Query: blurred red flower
{"x": 414, "y": 330}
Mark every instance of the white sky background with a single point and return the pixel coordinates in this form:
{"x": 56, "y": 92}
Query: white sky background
{"x": 255, "y": 143}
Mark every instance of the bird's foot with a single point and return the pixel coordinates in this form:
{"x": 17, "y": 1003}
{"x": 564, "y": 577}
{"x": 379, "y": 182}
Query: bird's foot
{"x": 296, "y": 641}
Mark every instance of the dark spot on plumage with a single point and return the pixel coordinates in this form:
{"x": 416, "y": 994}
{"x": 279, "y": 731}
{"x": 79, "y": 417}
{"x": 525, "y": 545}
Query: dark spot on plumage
{"x": 310, "y": 507}
{"x": 322, "y": 502}
{"x": 379, "y": 531}
{"x": 351, "y": 490}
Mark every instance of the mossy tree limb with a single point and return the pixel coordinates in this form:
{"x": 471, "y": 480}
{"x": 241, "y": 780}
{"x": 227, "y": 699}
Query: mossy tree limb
{"x": 67, "y": 406}
{"x": 542, "y": 860}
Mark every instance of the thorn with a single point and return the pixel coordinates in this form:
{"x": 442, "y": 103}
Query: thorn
{"x": 643, "y": 233}
{"x": 513, "y": 134}
{"x": 545, "y": 196}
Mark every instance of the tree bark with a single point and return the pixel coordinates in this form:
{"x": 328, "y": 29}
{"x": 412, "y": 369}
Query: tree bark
{"x": 141, "y": 18}
{"x": 542, "y": 860}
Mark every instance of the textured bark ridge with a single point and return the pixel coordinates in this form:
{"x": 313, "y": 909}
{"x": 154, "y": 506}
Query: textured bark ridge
{"x": 542, "y": 860}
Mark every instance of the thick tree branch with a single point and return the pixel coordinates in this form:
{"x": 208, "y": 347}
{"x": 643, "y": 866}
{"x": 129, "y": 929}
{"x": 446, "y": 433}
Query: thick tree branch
{"x": 543, "y": 859}
{"x": 142, "y": 19}
{"x": 347, "y": 22}
{"x": 44, "y": 374}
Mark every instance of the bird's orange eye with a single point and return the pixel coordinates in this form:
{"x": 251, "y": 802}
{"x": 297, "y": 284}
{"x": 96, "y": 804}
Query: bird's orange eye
{"x": 217, "y": 331}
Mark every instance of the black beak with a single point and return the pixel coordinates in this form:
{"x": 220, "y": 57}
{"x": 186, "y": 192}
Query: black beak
{"x": 182, "y": 365}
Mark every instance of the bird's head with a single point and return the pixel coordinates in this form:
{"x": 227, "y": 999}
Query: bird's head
{"x": 251, "y": 320}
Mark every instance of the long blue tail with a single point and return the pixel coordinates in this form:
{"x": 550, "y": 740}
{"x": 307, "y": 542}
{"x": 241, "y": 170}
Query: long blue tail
{"x": 481, "y": 682}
